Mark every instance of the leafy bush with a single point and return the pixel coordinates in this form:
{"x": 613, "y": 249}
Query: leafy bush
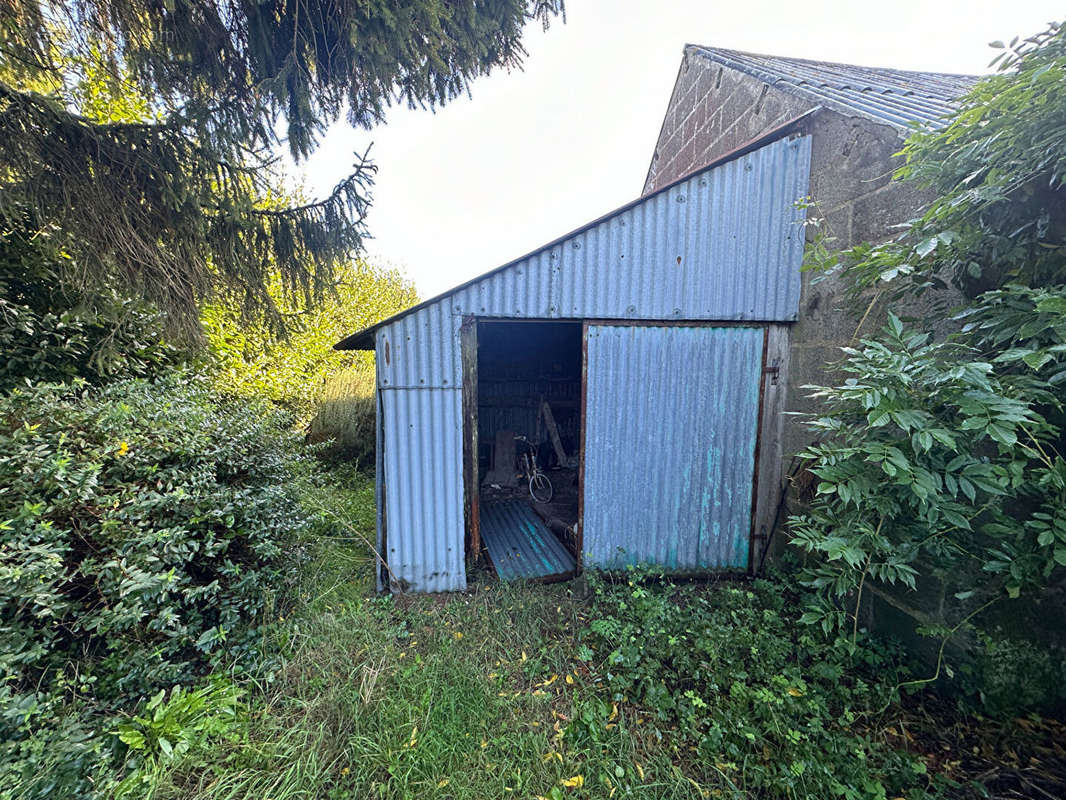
{"x": 145, "y": 529}
{"x": 1010, "y": 675}
{"x": 770, "y": 709}
{"x": 940, "y": 462}
{"x": 170, "y": 727}
{"x": 926, "y": 456}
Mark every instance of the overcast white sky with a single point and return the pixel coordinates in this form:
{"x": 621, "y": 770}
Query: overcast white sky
{"x": 536, "y": 153}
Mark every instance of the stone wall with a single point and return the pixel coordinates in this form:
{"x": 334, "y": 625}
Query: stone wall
{"x": 714, "y": 110}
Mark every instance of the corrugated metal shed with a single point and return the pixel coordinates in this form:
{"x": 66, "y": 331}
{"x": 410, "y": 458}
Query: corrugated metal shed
{"x": 725, "y": 243}
{"x": 895, "y": 96}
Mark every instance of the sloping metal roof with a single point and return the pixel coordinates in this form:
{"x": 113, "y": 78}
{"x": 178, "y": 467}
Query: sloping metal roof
{"x": 764, "y": 270}
{"x": 897, "y": 97}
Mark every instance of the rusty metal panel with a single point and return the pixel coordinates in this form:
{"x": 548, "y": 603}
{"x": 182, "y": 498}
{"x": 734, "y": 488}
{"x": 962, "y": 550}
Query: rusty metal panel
{"x": 672, "y": 419}
{"x": 423, "y": 476}
{"x": 726, "y": 244}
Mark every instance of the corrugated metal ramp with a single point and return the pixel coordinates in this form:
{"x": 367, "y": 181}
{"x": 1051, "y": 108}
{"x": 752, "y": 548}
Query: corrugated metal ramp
{"x": 520, "y": 544}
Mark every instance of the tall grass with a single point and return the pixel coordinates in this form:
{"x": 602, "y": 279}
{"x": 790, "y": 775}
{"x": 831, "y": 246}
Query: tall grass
{"x": 345, "y": 415}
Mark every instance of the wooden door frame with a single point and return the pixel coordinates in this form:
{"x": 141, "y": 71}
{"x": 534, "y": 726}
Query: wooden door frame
{"x": 471, "y": 479}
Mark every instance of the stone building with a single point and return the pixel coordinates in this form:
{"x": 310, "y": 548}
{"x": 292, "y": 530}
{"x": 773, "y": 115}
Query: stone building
{"x": 857, "y": 117}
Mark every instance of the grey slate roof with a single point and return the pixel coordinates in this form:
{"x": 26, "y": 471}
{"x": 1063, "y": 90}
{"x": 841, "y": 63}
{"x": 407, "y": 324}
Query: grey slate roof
{"x": 893, "y": 96}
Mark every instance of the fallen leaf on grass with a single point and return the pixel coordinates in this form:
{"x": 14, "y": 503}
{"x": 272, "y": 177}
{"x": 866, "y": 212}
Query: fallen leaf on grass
{"x": 575, "y": 782}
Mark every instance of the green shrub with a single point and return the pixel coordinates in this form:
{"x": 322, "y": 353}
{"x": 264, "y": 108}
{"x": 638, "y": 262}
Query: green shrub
{"x": 769, "y": 709}
{"x": 144, "y": 530}
{"x": 1010, "y": 675}
{"x": 170, "y": 727}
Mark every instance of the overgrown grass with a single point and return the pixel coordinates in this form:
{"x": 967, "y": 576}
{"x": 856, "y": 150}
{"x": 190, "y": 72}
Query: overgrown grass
{"x": 599, "y": 690}
{"x": 470, "y": 696}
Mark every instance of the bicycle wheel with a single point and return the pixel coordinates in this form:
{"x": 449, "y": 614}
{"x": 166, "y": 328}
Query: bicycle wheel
{"x": 540, "y": 487}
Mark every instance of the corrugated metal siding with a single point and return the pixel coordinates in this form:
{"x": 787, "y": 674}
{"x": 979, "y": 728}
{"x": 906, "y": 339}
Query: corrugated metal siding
{"x": 421, "y": 351}
{"x": 424, "y": 488}
{"x": 671, "y": 416}
{"x": 726, "y": 244}
{"x": 520, "y": 544}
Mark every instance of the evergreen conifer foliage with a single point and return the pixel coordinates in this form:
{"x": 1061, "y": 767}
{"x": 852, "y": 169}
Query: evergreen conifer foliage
{"x": 146, "y": 129}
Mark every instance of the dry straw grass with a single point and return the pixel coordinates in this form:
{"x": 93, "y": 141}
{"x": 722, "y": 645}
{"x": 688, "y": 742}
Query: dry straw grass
{"x": 345, "y": 415}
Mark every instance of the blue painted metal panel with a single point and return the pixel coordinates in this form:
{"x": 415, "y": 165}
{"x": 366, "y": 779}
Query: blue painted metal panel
{"x": 421, "y": 351}
{"x": 723, "y": 244}
{"x": 520, "y": 544}
{"x": 423, "y": 473}
{"x": 671, "y": 416}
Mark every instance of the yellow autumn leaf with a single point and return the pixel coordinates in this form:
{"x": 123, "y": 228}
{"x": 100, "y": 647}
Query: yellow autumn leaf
{"x": 792, "y": 690}
{"x": 484, "y": 744}
{"x": 575, "y": 782}
{"x": 458, "y": 634}
{"x": 123, "y": 448}
{"x": 524, "y": 656}
{"x": 550, "y": 680}
{"x": 442, "y": 783}
{"x": 640, "y": 770}
{"x": 614, "y": 712}
{"x": 570, "y": 679}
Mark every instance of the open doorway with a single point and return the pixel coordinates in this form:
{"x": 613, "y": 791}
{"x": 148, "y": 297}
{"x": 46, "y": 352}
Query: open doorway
{"x": 529, "y": 435}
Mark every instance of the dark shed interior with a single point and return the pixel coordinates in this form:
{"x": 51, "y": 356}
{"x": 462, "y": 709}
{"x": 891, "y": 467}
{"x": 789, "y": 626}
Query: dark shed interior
{"x": 529, "y": 419}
